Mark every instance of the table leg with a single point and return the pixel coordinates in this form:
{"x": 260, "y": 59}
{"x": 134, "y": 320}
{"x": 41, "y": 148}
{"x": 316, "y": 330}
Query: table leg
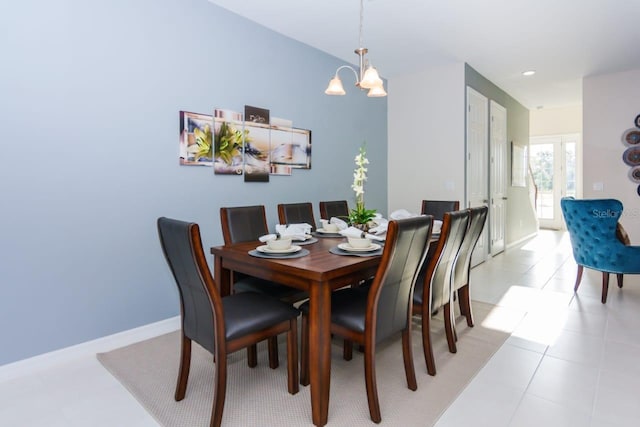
{"x": 222, "y": 276}
{"x": 320, "y": 350}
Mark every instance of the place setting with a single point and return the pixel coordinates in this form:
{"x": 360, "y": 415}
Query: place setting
{"x": 300, "y": 233}
{"x": 328, "y": 229}
{"x": 278, "y": 247}
{"x": 357, "y": 246}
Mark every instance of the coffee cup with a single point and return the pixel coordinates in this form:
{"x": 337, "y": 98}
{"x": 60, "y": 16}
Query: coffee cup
{"x": 359, "y": 242}
{"x": 279, "y": 244}
{"x": 330, "y": 228}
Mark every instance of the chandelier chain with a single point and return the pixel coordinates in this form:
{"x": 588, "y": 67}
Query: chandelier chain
{"x": 361, "y": 19}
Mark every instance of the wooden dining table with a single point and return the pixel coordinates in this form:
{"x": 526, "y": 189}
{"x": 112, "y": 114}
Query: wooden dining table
{"x": 319, "y": 273}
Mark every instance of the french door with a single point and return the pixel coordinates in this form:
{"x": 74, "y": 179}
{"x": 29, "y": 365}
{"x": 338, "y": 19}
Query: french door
{"x": 477, "y": 163}
{"x": 498, "y": 176}
{"x": 553, "y": 161}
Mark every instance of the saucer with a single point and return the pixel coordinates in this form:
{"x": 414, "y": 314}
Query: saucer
{"x": 265, "y": 249}
{"x": 347, "y": 247}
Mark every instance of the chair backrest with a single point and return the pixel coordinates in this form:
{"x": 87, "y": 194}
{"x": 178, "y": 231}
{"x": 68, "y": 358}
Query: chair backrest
{"x": 337, "y": 208}
{"x": 296, "y": 213}
{"x": 391, "y": 293}
{"x": 243, "y": 223}
{"x": 200, "y": 302}
{"x": 592, "y": 225}
{"x": 437, "y": 208}
{"x": 477, "y": 219}
{"x": 437, "y": 278}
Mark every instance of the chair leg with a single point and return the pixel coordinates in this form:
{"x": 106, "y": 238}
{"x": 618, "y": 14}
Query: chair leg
{"x": 465, "y": 304}
{"x": 219, "y": 389}
{"x": 449, "y": 328}
{"x": 620, "y": 277}
{"x": 605, "y": 286}
{"x": 407, "y": 355}
{"x": 347, "y": 350}
{"x": 274, "y": 361}
{"x": 304, "y": 351}
{"x": 370, "y": 380}
{"x": 578, "y": 278}
{"x": 252, "y": 356}
{"x": 426, "y": 344}
{"x": 292, "y": 357}
{"x": 183, "y": 372}
{"x": 458, "y": 296}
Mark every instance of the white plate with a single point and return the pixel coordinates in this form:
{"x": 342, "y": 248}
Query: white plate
{"x": 266, "y": 250}
{"x": 323, "y": 231}
{"x": 347, "y": 247}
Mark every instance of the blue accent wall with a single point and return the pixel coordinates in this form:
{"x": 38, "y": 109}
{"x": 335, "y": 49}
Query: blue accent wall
{"x": 89, "y": 100}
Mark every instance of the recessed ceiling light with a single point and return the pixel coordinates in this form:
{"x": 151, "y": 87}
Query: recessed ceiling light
{"x": 528, "y": 73}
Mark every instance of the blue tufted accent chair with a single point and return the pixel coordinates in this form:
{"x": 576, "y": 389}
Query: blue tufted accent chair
{"x": 595, "y": 238}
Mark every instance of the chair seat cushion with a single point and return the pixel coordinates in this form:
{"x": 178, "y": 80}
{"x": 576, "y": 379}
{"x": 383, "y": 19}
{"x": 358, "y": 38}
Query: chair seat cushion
{"x": 348, "y": 307}
{"x": 249, "y": 312}
{"x": 265, "y": 287}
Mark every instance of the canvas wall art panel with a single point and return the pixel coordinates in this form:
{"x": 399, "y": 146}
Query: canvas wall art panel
{"x": 196, "y": 137}
{"x": 257, "y": 141}
{"x": 228, "y": 141}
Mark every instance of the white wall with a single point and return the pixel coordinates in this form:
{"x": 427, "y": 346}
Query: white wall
{"x": 556, "y": 121}
{"x": 610, "y": 104}
{"x": 426, "y": 137}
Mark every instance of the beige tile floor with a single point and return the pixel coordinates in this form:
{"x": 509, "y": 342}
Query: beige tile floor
{"x": 571, "y": 361}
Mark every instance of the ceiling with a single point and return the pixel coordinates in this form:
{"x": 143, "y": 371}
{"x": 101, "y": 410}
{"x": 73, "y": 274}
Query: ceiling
{"x": 562, "y": 40}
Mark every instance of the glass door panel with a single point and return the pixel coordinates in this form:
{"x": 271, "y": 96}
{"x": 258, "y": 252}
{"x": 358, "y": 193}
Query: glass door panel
{"x": 571, "y": 186}
{"x": 542, "y": 165}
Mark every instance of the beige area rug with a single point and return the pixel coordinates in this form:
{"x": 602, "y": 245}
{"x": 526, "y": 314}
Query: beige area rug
{"x": 258, "y": 396}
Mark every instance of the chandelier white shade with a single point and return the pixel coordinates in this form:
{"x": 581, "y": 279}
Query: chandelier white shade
{"x": 366, "y": 77}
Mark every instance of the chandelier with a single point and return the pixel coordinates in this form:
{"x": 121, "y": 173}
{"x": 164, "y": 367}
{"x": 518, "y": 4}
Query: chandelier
{"x": 366, "y": 77}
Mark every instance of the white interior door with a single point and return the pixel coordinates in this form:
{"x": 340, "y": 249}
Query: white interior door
{"x": 477, "y": 149}
{"x": 498, "y": 174}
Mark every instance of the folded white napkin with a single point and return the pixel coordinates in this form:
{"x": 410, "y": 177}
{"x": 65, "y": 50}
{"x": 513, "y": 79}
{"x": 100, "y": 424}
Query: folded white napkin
{"x": 295, "y": 231}
{"x": 342, "y": 225}
{"x": 356, "y": 232}
{"x": 267, "y": 237}
{"x": 437, "y": 226}
{"x": 381, "y": 226}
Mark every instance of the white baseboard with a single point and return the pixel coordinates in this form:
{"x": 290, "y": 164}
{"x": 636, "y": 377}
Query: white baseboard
{"x": 99, "y": 345}
{"x": 522, "y": 240}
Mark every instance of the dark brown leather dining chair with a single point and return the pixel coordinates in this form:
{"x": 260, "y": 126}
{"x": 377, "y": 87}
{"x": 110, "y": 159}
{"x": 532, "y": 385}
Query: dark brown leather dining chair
{"x": 245, "y": 224}
{"x": 437, "y": 208}
{"x": 368, "y": 315}
{"x": 221, "y": 325}
{"x": 462, "y": 271}
{"x": 434, "y": 285}
{"x": 334, "y": 208}
{"x": 296, "y": 213}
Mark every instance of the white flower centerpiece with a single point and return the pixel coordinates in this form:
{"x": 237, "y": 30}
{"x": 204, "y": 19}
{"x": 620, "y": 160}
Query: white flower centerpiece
{"x": 360, "y": 217}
